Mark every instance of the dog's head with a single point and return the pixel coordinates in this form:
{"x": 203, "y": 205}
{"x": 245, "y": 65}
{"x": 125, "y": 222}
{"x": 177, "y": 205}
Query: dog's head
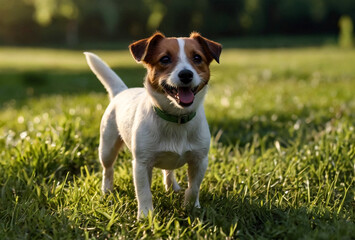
{"x": 178, "y": 68}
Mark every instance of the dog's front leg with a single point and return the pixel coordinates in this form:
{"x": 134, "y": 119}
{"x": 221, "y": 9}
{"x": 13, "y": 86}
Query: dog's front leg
{"x": 196, "y": 172}
{"x": 142, "y": 175}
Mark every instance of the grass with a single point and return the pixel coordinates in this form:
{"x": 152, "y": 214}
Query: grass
{"x": 281, "y": 164}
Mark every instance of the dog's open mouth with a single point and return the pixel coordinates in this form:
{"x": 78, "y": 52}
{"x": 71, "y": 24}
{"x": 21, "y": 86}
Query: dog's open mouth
{"x": 184, "y": 96}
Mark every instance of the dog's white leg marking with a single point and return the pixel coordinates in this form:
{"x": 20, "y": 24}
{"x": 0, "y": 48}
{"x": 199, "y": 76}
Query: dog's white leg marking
{"x": 110, "y": 143}
{"x": 169, "y": 181}
{"x": 142, "y": 179}
{"x": 196, "y": 172}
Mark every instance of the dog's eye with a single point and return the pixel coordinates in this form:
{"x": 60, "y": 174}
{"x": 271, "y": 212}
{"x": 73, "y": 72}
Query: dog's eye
{"x": 165, "y": 60}
{"x": 197, "y": 58}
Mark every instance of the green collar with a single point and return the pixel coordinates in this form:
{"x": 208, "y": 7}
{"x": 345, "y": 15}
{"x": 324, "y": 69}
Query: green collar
{"x": 181, "y": 119}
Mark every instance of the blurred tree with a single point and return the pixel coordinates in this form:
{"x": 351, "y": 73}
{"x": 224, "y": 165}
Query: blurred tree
{"x": 17, "y": 27}
{"x": 222, "y": 17}
{"x": 252, "y": 16}
{"x": 133, "y": 18}
{"x": 73, "y": 11}
{"x": 318, "y": 10}
{"x": 295, "y": 16}
{"x": 346, "y": 32}
{"x": 24, "y": 21}
{"x": 109, "y": 13}
{"x": 157, "y": 12}
{"x": 46, "y": 10}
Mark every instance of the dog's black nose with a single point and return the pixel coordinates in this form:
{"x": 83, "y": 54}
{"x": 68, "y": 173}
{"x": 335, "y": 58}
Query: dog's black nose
{"x": 185, "y": 76}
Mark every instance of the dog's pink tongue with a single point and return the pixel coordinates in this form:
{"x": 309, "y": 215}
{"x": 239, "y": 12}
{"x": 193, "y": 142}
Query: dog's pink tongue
{"x": 186, "y": 96}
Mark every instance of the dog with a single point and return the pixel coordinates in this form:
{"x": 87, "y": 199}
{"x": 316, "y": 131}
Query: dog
{"x": 163, "y": 124}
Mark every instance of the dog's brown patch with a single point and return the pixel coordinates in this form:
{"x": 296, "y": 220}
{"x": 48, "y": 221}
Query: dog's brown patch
{"x": 192, "y": 48}
{"x": 157, "y": 71}
{"x": 211, "y": 49}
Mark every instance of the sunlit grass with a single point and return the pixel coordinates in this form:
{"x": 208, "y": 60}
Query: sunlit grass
{"x": 281, "y": 159}
{"x": 32, "y": 59}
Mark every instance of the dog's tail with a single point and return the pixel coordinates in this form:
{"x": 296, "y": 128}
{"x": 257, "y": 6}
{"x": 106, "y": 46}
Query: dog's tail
{"x": 104, "y": 73}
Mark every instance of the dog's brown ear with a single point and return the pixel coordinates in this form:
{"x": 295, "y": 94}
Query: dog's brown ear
{"x": 142, "y": 49}
{"x": 213, "y": 49}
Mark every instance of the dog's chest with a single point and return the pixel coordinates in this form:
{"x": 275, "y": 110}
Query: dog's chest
{"x": 171, "y": 148}
{"x": 171, "y": 160}
{"x": 174, "y": 151}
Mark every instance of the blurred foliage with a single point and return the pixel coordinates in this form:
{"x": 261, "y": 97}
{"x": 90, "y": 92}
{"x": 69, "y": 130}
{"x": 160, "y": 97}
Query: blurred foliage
{"x": 346, "y": 32}
{"x": 71, "y": 21}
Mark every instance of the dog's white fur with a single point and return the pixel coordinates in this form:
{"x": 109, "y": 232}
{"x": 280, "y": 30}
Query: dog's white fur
{"x": 153, "y": 141}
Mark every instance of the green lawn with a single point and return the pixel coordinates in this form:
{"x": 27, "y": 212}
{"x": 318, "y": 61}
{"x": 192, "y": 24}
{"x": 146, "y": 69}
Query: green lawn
{"x": 281, "y": 164}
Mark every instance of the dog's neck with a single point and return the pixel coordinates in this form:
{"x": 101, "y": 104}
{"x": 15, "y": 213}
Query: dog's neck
{"x": 162, "y": 102}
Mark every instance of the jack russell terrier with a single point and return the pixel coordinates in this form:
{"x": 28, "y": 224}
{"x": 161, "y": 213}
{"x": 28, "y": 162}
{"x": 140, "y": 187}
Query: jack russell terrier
{"x": 164, "y": 123}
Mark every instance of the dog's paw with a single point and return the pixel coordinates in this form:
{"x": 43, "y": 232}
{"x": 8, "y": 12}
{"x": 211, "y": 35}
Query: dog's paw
{"x": 176, "y": 187}
{"x": 145, "y": 213}
{"x": 197, "y": 204}
{"x": 107, "y": 187}
{"x": 191, "y": 199}
{"x": 106, "y": 191}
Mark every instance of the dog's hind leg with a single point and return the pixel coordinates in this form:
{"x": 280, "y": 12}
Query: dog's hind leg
{"x": 170, "y": 181}
{"x": 110, "y": 144}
